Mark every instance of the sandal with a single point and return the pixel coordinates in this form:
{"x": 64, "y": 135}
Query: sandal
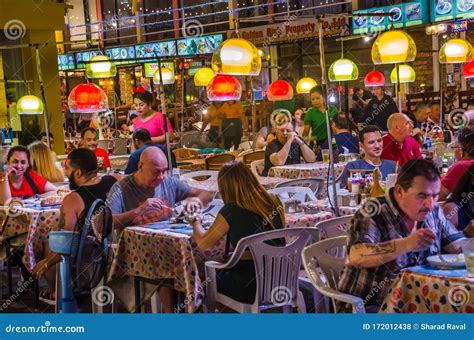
{"x": 47, "y": 297}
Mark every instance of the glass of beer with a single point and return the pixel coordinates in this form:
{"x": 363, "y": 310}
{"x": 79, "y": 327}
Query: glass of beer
{"x": 325, "y": 153}
{"x": 468, "y": 250}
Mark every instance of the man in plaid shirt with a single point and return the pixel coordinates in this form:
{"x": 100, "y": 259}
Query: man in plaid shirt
{"x": 395, "y": 231}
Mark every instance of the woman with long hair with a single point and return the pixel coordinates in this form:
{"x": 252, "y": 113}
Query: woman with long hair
{"x": 42, "y": 161}
{"x": 248, "y": 209}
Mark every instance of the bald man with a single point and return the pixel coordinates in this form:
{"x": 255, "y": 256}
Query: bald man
{"x": 398, "y": 145}
{"x": 149, "y": 195}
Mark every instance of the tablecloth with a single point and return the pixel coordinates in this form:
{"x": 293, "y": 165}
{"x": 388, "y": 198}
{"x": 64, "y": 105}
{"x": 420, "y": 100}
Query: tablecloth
{"x": 425, "y": 290}
{"x": 318, "y": 169}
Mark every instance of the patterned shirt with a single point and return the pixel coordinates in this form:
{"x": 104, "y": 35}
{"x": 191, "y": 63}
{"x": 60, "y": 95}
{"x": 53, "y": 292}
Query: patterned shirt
{"x": 381, "y": 220}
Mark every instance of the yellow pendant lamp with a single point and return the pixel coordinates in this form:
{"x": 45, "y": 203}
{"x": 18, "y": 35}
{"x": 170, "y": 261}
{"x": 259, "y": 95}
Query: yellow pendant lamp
{"x": 455, "y": 51}
{"x": 305, "y": 85}
{"x": 343, "y": 70}
{"x": 100, "y": 66}
{"x": 166, "y": 74}
{"x": 203, "y": 76}
{"x": 393, "y": 47}
{"x": 238, "y": 57}
{"x": 29, "y": 105}
{"x": 407, "y": 74}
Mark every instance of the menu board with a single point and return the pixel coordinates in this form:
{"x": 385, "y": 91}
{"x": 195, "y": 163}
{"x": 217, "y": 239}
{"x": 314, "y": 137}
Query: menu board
{"x": 82, "y": 57}
{"x": 153, "y": 50}
{"x": 199, "y": 45}
{"x": 151, "y": 68}
{"x": 66, "y": 62}
{"x": 403, "y": 15}
{"x": 120, "y": 53}
{"x": 442, "y": 10}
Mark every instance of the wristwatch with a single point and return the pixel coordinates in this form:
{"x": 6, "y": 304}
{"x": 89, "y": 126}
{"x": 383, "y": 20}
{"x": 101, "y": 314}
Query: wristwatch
{"x": 192, "y": 219}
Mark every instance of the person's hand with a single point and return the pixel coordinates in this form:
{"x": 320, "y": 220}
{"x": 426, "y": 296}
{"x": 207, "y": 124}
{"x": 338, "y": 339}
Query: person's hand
{"x": 151, "y": 204}
{"x": 421, "y": 239}
{"x": 41, "y": 268}
{"x": 10, "y": 170}
{"x": 291, "y": 137}
{"x": 416, "y": 131}
{"x": 192, "y": 205}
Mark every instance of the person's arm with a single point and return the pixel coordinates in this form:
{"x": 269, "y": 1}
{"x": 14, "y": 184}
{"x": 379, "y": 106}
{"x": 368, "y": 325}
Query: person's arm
{"x": 204, "y": 196}
{"x": 5, "y": 192}
{"x": 280, "y": 157}
{"x": 308, "y": 154}
{"x": 370, "y": 255}
{"x": 49, "y": 189}
{"x": 443, "y": 193}
{"x": 260, "y": 142}
{"x": 122, "y": 220}
{"x": 450, "y": 210}
{"x": 207, "y": 239}
{"x": 306, "y": 130}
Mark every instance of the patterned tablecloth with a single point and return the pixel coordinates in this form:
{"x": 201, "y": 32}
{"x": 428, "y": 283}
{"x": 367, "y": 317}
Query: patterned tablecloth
{"x": 155, "y": 252}
{"x": 345, "y": 210}
{"x": 425, "y": 290}
{"x": 318, "y": 169}
{"x": 37, "y": 223}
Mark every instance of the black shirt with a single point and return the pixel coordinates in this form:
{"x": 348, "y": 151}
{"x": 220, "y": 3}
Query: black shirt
{"x": 294, "y": 156}
{"x": 378, "y": 111}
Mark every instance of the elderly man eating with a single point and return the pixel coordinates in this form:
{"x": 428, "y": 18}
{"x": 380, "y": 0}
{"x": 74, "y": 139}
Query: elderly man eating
{"x": 395, "y": 231}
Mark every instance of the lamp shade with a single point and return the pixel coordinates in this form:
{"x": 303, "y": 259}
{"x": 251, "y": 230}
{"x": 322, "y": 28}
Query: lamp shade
{"x": 237, "y": 56}
{"x": 279, "y": 90}
{"x": 29, "y": 105}
{"x": 393, "y": 47}
{"x": 224, "y": 87}
{"x": 87, "y": 98}
{"x": 305, "y": 85}
{"x": 374, "y": 78}
{"x": 203, "y": 76}
{"x": 343, "y": 70}
{"x": 407, "y": 74}
{"x": 100, "y": 66}
{"x": 468, "y": 70}
{"x": 455, "y": 51}
{"x": 166, "y": 74}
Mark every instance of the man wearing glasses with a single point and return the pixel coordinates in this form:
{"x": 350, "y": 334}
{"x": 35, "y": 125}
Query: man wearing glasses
{"x": 398, "y": 145}
{"x": 464, "y": 154}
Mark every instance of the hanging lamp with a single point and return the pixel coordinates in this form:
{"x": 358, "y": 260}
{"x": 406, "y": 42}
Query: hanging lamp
{"x": 87, "y": 98}
{"x": 468, "y": 70}
{"x": 393, "y": 47}
{"x": 279, "y": 90}
{"x": 374, "y": 78}
{"x": 224, "y": 87}
{"x": 166, "y": 74}
{"x": 203, "y": 76}
{"x": 455, "y": 51}
{"x": 238, "y": 57}
{"x": 100, "y": 66}
{"x": 305, "y": 85}
{"x": 29, "y": 105}
{"x": 407, "y": 74}
{"x": 343, "y": 70}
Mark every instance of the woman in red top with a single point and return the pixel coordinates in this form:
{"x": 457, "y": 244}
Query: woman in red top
{"x": 19, "y": 181}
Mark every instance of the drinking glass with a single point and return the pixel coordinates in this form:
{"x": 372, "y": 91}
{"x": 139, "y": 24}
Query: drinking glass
{"x": 468, "y": 250}
{"x": 325, "y": 153}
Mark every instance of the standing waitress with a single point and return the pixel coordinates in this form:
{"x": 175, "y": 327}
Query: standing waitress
{"x": 233, "y": 123}
{"x": 149, "y": 119}
{"x": 315, "y": 117}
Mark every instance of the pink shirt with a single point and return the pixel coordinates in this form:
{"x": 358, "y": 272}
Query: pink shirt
{"x": 155, "y": 125}
{"x": 454, "y": 174}
{"x": 393, "y": 150}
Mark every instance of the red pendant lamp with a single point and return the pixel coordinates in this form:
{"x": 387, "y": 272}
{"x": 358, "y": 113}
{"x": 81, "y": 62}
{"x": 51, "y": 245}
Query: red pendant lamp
{"x": 374, "y": 78}
{"x": 279, "y": 90}
{"x": 468, "y": 69}
{"x": 87, "y": 98}
{"x": 224, "y": 87}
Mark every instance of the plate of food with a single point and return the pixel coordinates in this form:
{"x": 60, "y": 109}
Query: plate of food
{"x": 447, "y": 261}
{"x": 443, "y": 7}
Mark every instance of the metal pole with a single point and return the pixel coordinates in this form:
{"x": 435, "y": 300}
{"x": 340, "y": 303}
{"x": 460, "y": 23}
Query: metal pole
{"x": 328, "y": 124}
{"x": 161, "y": 89}
{"x": 40, "y": 79}
{"x": 183, "y": 87}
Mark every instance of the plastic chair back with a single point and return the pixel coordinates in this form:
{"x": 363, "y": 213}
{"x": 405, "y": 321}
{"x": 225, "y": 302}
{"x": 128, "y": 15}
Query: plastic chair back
{"x": 203, "y": 175}
{"x": 315, "y": 184}
{"x": 334, "y": 227}
{"x": 105, "y": 143}
{"x": 216, "y": 162}
{"x": 257, "y": 167}
{"x": 301, "y": 194}
{"x": 185, "y": 153}
{"x": 253, "y": 156}
{"x": 120, "y": 146}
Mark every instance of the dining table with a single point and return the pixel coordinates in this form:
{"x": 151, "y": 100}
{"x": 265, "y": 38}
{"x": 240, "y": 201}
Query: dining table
{"x": 306, "y": 170}
{"x": 423, "y": 289}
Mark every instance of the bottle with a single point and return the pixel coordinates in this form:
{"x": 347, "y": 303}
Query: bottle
{"x": 428, "y": 144}
{"x": 376, "y": 187}
{"x": 335, "y": 150}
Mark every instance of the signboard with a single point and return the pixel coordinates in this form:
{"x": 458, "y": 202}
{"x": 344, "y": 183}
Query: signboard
{"x": 151, "y": 68}
{"x": 153, "y": 50}
{"x": 120, "y": 53}
{"x": 403, "y": 15}
{"x": 66, "y": 62}
{"x": 294, "y": 30}
{"x": 199, "y": 45}
{"x": 442, "y": 10}
{"x": 194, "y": 66}
{"x": 82, "y": 57}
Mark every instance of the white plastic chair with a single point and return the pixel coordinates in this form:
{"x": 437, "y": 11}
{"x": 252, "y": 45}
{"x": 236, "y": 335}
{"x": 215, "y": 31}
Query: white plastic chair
{"x": 245, "y": 146}
{"x": 213, "y": 207}
{"x": 323, "y": 262}
{"x": 301, "y": 194}
{"x": 276, "y": 271}
{"x": 334, "y": 227}
{"x": 317, "y": 185}
{"x": 120, "y": 146}
{"x": 212, "y": 174}
{"x": 257, "y": 167}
